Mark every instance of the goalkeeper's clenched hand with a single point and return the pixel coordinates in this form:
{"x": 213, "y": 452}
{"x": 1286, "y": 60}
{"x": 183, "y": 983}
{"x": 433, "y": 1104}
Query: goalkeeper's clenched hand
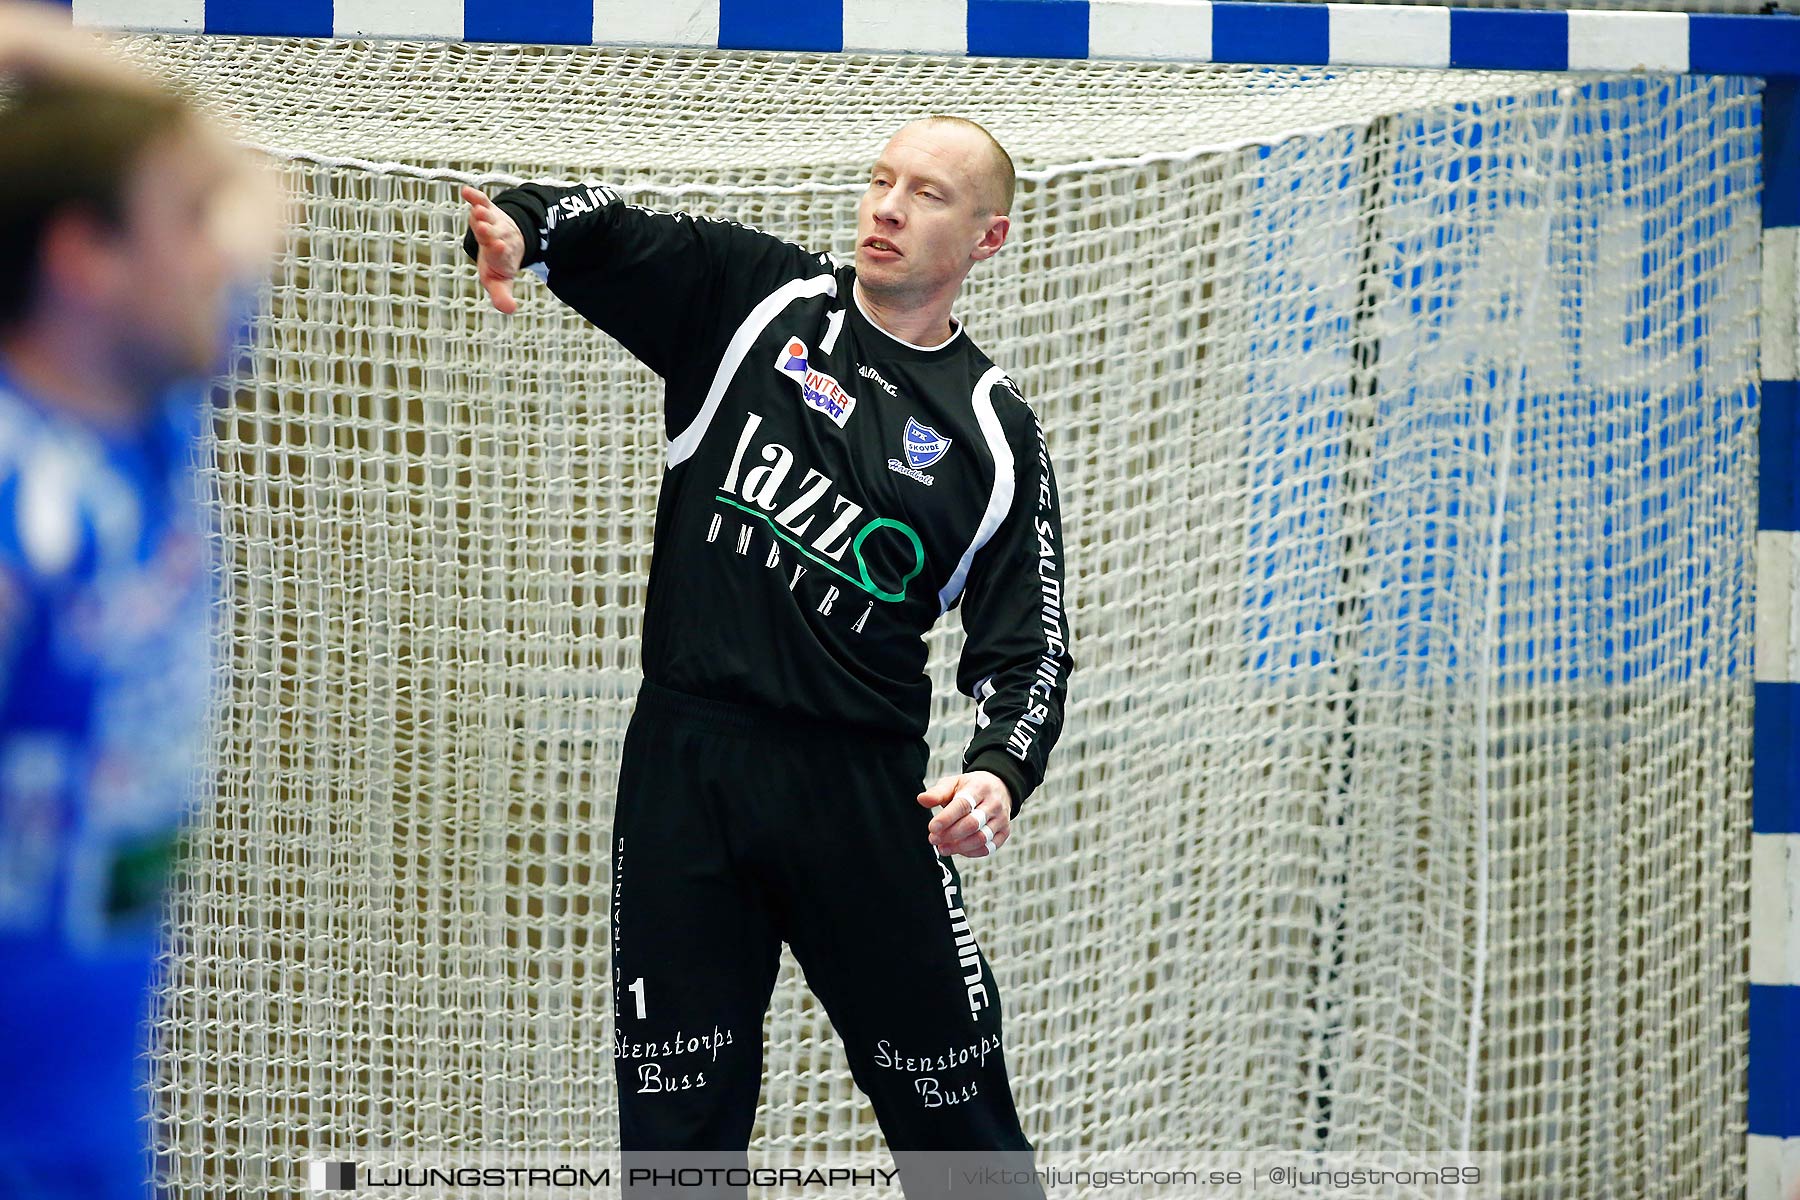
{"x": 501, "y": 248}
{"x": 976, "y": 817}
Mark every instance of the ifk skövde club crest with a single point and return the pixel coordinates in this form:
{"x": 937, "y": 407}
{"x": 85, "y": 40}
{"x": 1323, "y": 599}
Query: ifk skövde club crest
{"x": 924, "y": 445}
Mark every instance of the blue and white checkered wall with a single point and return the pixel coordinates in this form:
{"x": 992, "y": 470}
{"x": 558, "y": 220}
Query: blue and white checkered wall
{"x": 1416, "y": 35}
{"x": 1347, "y": 34}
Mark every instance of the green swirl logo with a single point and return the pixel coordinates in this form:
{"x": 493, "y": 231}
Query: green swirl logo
{"x": 862, "y": 579}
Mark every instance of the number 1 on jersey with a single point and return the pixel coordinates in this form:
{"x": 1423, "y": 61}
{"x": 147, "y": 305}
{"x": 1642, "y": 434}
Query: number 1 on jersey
{"x": 637, "y": 989}
{"x": 834, "y": 325}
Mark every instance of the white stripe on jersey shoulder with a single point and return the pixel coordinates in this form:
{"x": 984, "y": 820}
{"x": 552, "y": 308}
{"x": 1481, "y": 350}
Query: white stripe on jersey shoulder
{"x": 1000, "y": 499}
{"x": 766, "y": 310}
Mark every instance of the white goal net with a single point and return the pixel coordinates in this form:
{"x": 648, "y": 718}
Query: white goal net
{"x": 1405, "y": 427}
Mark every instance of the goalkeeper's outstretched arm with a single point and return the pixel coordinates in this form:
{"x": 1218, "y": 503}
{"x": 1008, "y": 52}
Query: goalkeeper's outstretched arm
{"x": 670, "y": 286}
{"x": 644, "y": 277}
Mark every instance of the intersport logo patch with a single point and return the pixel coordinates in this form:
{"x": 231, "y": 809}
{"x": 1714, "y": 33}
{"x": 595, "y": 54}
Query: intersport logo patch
{"x": 819, "y": 390}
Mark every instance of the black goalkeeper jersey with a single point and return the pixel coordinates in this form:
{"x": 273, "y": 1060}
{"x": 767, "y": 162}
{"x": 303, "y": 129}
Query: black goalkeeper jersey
{"x": 830, "y": 490}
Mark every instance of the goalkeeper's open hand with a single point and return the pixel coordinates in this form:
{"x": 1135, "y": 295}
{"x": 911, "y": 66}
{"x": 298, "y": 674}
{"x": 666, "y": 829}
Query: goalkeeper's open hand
{"x": 976, "y": 814}
{"x": 501, "y": 248}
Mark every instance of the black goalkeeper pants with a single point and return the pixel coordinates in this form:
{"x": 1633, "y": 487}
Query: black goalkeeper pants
{"x": 735, "y": 831}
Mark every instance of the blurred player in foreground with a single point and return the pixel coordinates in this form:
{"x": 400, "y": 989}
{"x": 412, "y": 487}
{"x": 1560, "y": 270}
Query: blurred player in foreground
{"x": 134, "y": 231}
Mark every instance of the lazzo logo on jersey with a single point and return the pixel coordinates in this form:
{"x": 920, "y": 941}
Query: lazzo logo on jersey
{"x": 813, "y": 519}
{"x": 818, "y": 389}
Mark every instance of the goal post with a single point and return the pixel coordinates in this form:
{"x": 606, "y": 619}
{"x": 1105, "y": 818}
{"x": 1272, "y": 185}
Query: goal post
{"x": 1426, "y": 762}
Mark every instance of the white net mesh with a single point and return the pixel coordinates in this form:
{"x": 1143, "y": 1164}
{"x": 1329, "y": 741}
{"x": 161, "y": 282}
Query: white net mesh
{"x": 1407, "y": 460}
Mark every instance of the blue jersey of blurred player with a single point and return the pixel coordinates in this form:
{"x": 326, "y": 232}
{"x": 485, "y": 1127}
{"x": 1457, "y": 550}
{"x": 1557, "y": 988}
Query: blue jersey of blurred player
{"x": 126, "y": 257}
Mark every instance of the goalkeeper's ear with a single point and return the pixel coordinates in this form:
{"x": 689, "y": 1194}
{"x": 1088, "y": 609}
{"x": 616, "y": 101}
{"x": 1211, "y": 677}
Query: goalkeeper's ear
{"x": 993, "y": 237}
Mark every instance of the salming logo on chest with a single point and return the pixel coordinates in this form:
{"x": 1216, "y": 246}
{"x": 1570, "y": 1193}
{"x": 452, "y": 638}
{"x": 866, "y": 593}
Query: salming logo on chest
{"x": 800, "y": 523}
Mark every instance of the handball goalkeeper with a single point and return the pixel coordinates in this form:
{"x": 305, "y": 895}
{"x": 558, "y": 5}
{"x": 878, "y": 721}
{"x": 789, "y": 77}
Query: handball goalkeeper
{"x": 844, "y": 466}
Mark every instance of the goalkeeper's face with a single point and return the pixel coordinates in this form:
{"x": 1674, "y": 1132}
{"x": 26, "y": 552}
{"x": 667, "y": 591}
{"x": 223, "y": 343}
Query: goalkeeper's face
{"x": 931, "y": 212}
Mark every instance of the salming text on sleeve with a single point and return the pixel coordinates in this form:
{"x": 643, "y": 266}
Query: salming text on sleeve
{"x": 1016, "y": 660}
